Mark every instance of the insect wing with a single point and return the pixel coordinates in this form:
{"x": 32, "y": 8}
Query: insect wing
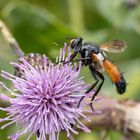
{"x": 115, "y": 46}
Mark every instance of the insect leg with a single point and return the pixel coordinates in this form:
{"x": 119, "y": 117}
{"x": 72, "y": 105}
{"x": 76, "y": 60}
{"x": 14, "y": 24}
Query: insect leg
{"x": 75, "y": 60}
{"x": 73, "y": 56}
{"x": 92, "y": 87}
{"x": 98, "y": 89}
{"x": 38, "y": 133}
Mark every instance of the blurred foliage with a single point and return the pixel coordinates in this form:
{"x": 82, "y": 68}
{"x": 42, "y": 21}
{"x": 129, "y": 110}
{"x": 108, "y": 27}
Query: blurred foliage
{"x": 43, "y": 26}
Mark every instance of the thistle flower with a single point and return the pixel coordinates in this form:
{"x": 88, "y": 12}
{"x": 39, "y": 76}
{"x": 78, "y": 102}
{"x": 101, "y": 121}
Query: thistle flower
{"x": 45, "y": 97}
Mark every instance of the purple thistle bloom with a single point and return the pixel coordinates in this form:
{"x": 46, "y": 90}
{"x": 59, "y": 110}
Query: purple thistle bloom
{"x": 45, "y": 97}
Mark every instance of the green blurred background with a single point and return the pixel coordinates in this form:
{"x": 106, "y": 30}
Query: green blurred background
{"x": 43, "y": 26}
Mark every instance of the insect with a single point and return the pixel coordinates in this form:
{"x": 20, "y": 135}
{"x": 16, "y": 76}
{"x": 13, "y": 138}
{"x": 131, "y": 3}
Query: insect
{"x": 93, "y": 56}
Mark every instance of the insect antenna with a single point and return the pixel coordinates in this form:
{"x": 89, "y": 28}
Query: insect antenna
{"x": 69, "y": 37}
{"x": 58, "y": 43}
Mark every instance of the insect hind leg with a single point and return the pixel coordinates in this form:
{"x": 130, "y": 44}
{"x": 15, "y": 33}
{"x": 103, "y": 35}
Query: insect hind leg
{"x": 92, "y": 87}
{"x": 100, "y": 86}
{"x": 93, "y": 71}
{"x": 100, "y": 75}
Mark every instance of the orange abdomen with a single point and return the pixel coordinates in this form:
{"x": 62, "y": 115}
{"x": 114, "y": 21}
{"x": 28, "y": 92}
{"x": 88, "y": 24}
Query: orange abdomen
{"x": 112, "y": 71}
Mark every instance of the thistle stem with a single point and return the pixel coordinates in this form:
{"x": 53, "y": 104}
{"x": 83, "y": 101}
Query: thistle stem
{"x": 11, "y": 40}
{"x": 120, "y": 115}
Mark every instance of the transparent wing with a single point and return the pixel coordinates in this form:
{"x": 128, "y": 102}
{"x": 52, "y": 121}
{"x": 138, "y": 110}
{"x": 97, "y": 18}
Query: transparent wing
{"x": 115, "y": 46}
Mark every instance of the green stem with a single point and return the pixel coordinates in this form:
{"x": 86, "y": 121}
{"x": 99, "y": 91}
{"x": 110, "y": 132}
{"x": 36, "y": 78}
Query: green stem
{"x": 76, "y": 15}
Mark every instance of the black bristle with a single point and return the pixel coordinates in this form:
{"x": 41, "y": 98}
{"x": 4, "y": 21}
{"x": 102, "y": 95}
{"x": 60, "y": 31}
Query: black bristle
{"x": 38, "y": 133}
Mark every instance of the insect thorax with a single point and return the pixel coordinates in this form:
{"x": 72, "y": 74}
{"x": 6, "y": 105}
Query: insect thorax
{"x": 87, "y": 50}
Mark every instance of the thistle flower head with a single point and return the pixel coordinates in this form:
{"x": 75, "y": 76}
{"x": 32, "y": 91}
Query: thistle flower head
{"x": 45, "y": 97}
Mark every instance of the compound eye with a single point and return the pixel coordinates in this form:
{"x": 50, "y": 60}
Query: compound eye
{"x": 76, "y": 44}
{"x": 72, "y": 43}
